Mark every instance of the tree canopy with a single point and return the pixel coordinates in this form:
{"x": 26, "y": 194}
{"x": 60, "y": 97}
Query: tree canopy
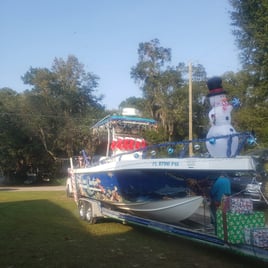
{"x": 51, "y": 121}
{"x": 250, "y": 20}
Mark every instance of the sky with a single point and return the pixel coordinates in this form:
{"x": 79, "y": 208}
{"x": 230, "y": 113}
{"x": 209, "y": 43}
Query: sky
{"x": 104, "y": 35}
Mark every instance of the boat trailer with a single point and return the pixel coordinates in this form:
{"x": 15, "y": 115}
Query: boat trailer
{"x": 90, "y": 210}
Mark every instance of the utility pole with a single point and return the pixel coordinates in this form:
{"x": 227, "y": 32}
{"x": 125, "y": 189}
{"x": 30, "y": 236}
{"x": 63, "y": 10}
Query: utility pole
{"x": 190, "y": 111}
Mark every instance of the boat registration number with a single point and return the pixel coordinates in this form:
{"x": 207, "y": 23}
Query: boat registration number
{"x": 165, "y": 163}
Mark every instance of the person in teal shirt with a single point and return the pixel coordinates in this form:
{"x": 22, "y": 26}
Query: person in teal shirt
{"x": 221, "y": 188}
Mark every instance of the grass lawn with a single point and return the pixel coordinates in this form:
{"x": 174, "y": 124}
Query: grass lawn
{"x": 42, "y": 229}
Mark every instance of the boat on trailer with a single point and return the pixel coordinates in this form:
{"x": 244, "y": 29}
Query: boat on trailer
{"x": 154, "y": 185}
{"x": 150, "y": 180}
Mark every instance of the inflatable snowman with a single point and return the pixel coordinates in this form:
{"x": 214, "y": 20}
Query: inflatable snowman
{"x": 220, "y": 121}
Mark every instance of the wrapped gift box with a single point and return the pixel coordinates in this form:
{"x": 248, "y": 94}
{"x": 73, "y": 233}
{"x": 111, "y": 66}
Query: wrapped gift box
{"x": 231, "y": 226}
{"x": 241, "y": 205}
{"x": 257, "y": 237}
{"x": 237, "y": 205}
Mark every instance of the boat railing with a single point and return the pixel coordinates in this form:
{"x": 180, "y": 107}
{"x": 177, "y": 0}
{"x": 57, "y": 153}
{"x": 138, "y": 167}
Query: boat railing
{"x": 180, "y": 149}
{"x": 176, "y": 149}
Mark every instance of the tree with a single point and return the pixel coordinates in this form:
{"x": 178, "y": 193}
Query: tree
{"x": 252, "y": 115}
{"x": 51, "y": 120}
{"x": 62, "y": 105}
{"x": 250, "y": 20}
{"x": 159, "y": 83}
{"x": 14, "y": 140}
{"x": 165, "y": 90}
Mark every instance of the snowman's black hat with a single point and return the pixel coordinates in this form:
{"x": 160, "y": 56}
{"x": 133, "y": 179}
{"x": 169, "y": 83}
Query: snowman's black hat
{"x": 214, "y": 85}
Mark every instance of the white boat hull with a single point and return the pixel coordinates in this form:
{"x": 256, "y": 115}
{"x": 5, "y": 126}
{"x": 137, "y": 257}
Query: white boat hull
{"x": 169, "y": 211}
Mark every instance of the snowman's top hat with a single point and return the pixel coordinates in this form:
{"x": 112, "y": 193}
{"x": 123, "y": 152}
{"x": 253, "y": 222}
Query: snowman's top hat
{"x": 214, "y": 85}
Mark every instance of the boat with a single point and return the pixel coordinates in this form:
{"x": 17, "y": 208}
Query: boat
{"x": 157, "y": 181}
{"x": 166, "y": 186}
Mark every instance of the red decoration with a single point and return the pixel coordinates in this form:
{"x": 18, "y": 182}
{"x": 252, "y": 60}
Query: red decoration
{"x": 127, "y": 144}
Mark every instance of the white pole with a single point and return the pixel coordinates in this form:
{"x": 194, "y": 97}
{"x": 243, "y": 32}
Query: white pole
{"x": 190, "y": 111}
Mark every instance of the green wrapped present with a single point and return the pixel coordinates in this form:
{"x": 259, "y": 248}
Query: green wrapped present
{"x": 231, "y": 226}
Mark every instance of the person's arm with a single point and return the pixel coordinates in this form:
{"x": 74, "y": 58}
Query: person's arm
{"x": 213, "y": 191}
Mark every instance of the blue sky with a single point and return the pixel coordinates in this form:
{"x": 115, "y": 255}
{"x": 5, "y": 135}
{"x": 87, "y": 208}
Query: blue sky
{"x": 105, "y": 34}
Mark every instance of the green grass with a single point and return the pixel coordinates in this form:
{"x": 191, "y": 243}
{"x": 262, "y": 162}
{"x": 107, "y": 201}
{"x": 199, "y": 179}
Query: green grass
{"x": 42, "y": 229}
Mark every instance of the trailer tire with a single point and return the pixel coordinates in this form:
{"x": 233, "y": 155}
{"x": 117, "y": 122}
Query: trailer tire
{"x": 89, "y": 214}
{"x": 82, "y": 210}
{"x": 86, "y": 212}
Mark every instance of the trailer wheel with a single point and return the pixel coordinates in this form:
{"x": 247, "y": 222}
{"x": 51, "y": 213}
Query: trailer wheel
{"x": 86, "y": 212}
{"x": 89, "y": 214}
{"x": 82, "y": 210}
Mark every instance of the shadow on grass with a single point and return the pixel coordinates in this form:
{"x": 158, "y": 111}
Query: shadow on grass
{"x": 8, "y": 189}
{"x": 48, "y": 233}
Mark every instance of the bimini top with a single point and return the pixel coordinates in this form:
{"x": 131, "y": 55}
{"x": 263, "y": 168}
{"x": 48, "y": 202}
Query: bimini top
{"x": 124, "y": 119}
